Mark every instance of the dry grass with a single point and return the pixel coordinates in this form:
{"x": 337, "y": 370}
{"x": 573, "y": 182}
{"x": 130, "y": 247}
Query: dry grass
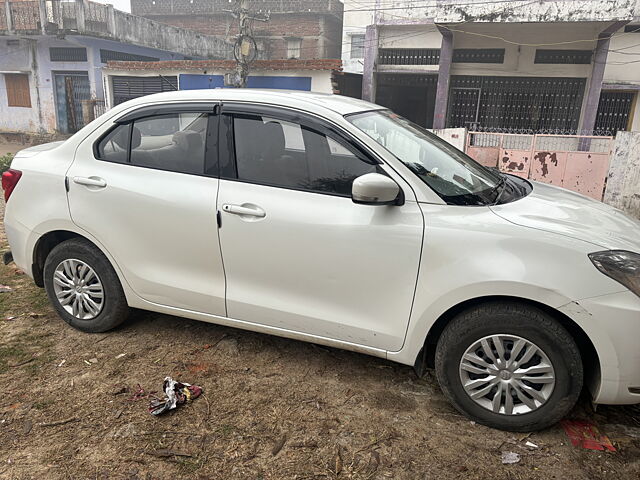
{"x": 273, "y": 409}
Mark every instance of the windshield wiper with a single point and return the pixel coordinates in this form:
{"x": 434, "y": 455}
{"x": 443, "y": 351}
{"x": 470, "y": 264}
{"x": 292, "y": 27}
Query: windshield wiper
{"x": 502, "y": 183}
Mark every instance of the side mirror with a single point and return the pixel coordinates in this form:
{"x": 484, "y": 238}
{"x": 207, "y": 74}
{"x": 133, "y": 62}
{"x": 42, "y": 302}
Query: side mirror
{"x": 374, "y": 189}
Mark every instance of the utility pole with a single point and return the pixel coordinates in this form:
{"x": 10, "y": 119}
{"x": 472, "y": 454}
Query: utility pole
{"x": 245, "y": 49}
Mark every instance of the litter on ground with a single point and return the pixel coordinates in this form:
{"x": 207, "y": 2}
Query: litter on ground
{"x": 176, "y": 393}
{"x": 510, "y": 458}
{"x": 586, "y": 435}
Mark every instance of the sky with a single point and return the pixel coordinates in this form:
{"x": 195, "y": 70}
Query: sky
{"x": 124, "y": 5}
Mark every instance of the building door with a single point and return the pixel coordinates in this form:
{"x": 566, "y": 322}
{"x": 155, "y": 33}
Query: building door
{"x": 411, "y": 95}
{"x": 71, "y": 89}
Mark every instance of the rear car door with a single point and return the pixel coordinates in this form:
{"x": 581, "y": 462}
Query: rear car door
{"x": 146, "y": 189}
{"x": 299, "y": 255}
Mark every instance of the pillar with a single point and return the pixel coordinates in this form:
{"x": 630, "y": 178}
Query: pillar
{"x": 444, "y": 69}
{"x": 370, "y": 61}
{"x": 597, "y": 75}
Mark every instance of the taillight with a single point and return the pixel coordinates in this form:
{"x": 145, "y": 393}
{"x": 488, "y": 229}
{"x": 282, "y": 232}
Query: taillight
{"x": 9, "y": 181}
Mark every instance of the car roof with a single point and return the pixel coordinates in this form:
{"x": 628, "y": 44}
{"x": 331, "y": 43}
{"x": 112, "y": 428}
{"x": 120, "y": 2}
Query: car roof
{"x": 286, "y": 98}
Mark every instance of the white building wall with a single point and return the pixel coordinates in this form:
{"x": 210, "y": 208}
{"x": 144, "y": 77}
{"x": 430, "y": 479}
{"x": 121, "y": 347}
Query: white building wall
{"x": 354, "y": 23}
{"x": 18, "y": 58}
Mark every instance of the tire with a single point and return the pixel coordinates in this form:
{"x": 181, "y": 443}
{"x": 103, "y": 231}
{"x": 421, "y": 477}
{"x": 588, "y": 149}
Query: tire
{"x": 512, "y": 325}
{"x": 106, "y": 306}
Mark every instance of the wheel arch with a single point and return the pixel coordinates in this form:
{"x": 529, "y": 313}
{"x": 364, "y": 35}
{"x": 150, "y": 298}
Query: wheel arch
{"x": 588, "y": 352}
{"x": 43, "y": 247}
{"x": 48, "y": 241}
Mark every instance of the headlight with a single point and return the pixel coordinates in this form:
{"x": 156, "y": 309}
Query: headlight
{"x": 622, "y": 266}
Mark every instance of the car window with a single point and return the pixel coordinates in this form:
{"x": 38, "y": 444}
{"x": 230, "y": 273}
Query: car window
{"x": 114, "y": 147}
{"x": 285, "y": 154}
{"x": 174, "y": 142}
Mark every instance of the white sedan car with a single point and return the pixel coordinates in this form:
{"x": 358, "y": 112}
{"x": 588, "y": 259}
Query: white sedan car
{"x": 335, "y": 221}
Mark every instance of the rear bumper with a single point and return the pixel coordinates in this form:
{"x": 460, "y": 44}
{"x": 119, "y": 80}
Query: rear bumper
{"x": 18, "y": 236}
{"x": 612, "y": 322}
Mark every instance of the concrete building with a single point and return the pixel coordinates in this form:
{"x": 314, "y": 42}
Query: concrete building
{"x": 125, "y": 80}
{"x": 52, "y": 54}
{"x": 299, "y": 29}
{"x": 546, "y": 66}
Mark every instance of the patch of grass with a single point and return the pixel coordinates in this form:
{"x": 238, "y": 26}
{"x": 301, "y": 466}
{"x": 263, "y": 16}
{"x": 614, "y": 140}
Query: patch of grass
{"x": 44, "y": 403}
{"x": 225, "y": 430}
{"x": 189, "y": 465}
{"x": 10, "y": 354}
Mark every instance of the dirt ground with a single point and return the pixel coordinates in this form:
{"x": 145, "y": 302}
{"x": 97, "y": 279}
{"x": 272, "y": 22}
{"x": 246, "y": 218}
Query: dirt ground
{"x": 272, "y": 409}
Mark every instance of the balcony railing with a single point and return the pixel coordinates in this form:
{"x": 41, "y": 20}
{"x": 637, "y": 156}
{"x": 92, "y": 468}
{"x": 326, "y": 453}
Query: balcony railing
{"x": 55, "y": 17}
{"x": 51, "y": 16}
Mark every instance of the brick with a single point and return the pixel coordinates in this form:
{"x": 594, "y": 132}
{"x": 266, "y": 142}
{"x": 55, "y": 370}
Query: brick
{"x": 319, "y": 64}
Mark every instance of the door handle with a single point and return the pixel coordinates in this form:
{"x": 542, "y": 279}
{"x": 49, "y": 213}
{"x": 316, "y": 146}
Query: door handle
{"x": 90, "y": 181}
{"x": 243, "y": 210}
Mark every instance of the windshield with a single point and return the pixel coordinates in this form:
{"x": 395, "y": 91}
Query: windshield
{"x": 454, "y": 176}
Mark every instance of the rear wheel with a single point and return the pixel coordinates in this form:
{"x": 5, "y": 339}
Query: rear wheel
{"x": 83, "y": 287}
{"x": 509, "y": 366}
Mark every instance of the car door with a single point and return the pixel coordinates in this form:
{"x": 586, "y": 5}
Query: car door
{"x": 146, "y": 190}
{"x": 299, "y": 255}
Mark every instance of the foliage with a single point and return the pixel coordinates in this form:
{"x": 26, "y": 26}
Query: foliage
{"x": 5, "y": 162}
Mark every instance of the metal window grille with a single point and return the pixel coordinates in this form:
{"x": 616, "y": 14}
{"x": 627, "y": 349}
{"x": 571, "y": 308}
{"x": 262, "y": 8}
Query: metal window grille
{"x": 126, "y": 88}
{"x": 478, "y": 55}
{"x": 357, "y": 46}
{"x": 113, "y": 55}
{"x": 614, "y": 111}
{"x": 534, "y": 105}
{"x": 632, "y": 29}
{"x": 563, "y": 56}
{"x": 68, "y": 54}
{"x": 409, "y": 56}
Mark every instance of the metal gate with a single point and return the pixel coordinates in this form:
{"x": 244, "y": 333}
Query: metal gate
{"x": 535, "y": 104}
{"x": 71, "y": 89}
{"x": 576, "y": 162}
{"x": 126, "y": 87}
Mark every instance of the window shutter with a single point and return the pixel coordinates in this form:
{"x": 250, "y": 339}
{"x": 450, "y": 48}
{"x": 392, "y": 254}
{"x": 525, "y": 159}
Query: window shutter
{"x": 17, "y": 90}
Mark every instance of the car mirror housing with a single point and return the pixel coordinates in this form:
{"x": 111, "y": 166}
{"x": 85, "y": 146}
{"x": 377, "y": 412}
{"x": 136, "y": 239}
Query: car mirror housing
{"x": 375, "y": 189}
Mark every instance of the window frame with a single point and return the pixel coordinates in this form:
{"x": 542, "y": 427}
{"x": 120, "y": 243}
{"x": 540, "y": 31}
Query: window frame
{"x": 297, "y": 50}
{"x": 211, "y": 146}
{"x": 358, "y": 46}
{"x": 227, "y": 151}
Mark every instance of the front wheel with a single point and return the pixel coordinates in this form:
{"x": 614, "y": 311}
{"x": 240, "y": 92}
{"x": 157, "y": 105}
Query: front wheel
{"x": 509, "y": 366}
{"x": 83, "y": 287}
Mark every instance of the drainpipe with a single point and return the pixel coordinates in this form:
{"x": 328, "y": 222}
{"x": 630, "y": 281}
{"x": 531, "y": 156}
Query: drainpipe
{"x": 444, "y": 69}
{"x": 597, "y": 75}
{"x": 36, "y": 81}
{"x": 370, "y": 61}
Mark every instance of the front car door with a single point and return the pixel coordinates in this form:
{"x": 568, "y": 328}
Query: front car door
{"x": 299, "y": 255}
{"x": 146, "y": 189}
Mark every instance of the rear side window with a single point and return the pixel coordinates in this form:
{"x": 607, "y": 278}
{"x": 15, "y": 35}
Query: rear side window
{"x": 173, "y": 142}
{"x": 114, "y": 147}
{"x": 289, "y": 155}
